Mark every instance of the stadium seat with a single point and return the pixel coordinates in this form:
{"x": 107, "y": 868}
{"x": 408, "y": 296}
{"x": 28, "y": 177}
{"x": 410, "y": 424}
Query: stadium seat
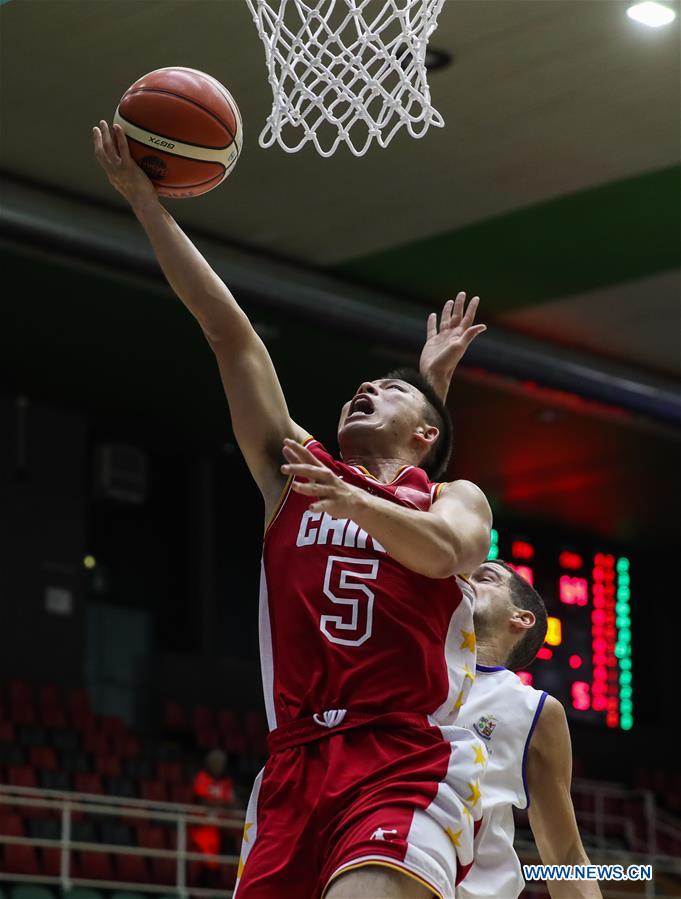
{"x": 174, "y": 716}
{"x": 44, "y": 828}
{"x": 20, "y": 692}
{"x": 12, "y": 756}
{"x": 203, "y": 717}
{"x": 22, "y": 714}
{"x": 21, "y": 776}
{"x": 228, "y": 721}
{"x": 97, "y": 744}
{"x": 121, "y": 786}
{"x": 87, "y": 783}
{"x": 20, "y": 859}
{"x": 182, "y": 793}
{"x": 74, "y": 761}
{"x": 52, "y": 718}
{"x": 54, "y": 780}
{"x": 64, "y": 739}
{"x": 50, "y": 861}
{"x": 43, "y": 757}
{"x": 31, "y": 891}
{"x": 153, "y": 791}
{"x": 208, "y": 738}
{"x": 107, "y": 765}
{"x": 150, "y": 837}
{"x": 139, "y": 769}
{"x": 164, "y": 871}
{"x": 31, "y": 735}
{"x": 112, "y": 726}
{"x": 93, "y": 866}
{"x": 84, "y": 832}
{"x": 50, "y": 696}
{"x": 7, "y": 734}
{"x": 132, "y": 869}
{"x": 127, "y": 746}
{"x": 11, "y": 825}
{"x": 115, "y": 833}
{"x": 170, "y": 772}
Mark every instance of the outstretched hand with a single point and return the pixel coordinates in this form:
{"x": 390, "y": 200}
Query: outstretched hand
{"x": 445, "y": 347}
{"x": 113, "y": 154}
{"x": 333, "y": 494}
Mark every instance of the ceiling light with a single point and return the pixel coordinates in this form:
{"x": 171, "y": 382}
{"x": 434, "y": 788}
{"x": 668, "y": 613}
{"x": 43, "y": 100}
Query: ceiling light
{"x": 651, "y": 13}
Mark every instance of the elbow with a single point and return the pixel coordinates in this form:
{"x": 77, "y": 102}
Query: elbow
{"x": 440, "y": 564}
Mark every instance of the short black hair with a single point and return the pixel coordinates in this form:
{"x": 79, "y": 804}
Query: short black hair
{"x": 524, "y": 596}
{"x": 436, "y": 461}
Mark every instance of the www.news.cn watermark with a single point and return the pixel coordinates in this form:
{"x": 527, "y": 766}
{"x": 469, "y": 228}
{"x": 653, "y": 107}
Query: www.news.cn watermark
{"x": 587, "y": 872}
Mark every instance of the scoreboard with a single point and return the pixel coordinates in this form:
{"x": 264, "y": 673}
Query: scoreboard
{"x": 586, "y": 659}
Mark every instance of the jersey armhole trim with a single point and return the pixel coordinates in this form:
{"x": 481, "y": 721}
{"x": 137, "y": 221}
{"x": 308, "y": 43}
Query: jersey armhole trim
{"x": 286, "y": 489}
{"x": 537, "y": 713}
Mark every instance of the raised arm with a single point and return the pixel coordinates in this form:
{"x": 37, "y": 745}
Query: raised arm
{"x": 260, "y": 417}
{"x": 445, "y": 346}
{"x": 551, "y": 813}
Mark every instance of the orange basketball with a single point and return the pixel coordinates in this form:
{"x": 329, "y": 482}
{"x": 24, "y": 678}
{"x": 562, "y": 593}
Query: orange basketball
{"x": 183, "y": 128}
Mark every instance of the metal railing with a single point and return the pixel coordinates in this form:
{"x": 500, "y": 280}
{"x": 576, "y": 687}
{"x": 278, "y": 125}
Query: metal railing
{"x": 65, "y": 804}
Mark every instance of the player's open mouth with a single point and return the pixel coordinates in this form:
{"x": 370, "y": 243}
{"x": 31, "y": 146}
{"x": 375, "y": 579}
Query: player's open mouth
{"x": 361, "y": 405}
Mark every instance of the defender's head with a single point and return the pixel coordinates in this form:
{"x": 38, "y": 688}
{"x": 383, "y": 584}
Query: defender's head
{"x": 399, "y": 416}
{"x": 216, "y": 763}
{"x": 508, "y": 612}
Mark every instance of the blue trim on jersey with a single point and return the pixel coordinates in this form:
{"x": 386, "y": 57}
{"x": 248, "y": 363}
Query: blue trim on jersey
{"x": 537, "y": 713}
{"x": 490, "y": 668}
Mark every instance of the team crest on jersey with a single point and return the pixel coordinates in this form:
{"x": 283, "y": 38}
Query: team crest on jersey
{"x": 485, "y": 726}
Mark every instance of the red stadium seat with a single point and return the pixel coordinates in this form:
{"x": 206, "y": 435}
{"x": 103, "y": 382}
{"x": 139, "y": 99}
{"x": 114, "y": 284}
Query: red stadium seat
{"x": 112, "y": 726}
{"x": 228, "y": 721}
{"x": 208, "y": 738}
{"x": 20, "y": 859}
{"x": 127, "y": 746}
{"x": 132, "y": 869}
{"x": 50, "y": 696}
{"x": 182, "y": 793}
{"x": 7, "y": 734}
{"x": 22, "y": 714}
{"x": 153, "y": 791}
{"x": 50, "y": 861}
{"x": 108, "y": 765}
{"x": 20, "y": 692}
{"x": 43, "y": 757}
{"x": 11, "y": 825}
{"x": 52, "y": 718}
{"x": 164, "y": 870}
{"x": 87, "y": 783}
{"x": 170, "y": 772}
{"x": 174, "y": 716}
{"x": 203, "y": 717}
{"x": 21, "y": 776}
{"x": 149, "y": 837}
{"x": 97, "y": 744}
{"x": 93, "y": 866}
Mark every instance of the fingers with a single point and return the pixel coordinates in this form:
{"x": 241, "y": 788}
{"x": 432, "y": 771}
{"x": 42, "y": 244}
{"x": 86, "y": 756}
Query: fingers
{"x": 469, "y": 317}
{"x": 121, "y": 143}
{"x": 470, "y": 335}
{"x": 110, "y": 151}
{"x": 295, "y": 452}
{"x": 446, "y": 317}
{"x": 458, "y": 309}
{"x": 431, "y": 326}
{"x": 312, "y": 472}
{"x": 310, "y": 489}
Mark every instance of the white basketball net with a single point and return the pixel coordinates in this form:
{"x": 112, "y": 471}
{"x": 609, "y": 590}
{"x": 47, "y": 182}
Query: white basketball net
{"x": 346, "y": 70}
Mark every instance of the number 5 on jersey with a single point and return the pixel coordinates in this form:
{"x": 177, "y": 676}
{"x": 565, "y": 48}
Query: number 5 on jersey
{"x": 343, "y": 585}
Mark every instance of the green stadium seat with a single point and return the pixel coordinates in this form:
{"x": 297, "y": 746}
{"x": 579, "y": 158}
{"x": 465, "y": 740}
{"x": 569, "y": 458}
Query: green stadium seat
{"x": 31, "y": 891}
{"x": 124, "y": 894}
{"x": 82, "y": 893}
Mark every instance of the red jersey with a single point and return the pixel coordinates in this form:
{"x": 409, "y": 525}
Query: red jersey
{"x": 217, "y": 789}
{"x": 345, "y": 626}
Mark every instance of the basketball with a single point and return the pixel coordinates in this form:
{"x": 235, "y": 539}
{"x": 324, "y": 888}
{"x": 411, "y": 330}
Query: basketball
{"x": 183, "y": 128}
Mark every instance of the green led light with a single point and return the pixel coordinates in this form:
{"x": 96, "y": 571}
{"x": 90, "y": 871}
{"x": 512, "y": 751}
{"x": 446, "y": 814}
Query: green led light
{"x": 494, "y": 545}
{"x": 626, "y": 722}
{"x": 626, "y": 693}
{"x": 622, "y": 608}
{"x": 494, "y": 536}
{"x": 621, "y": 650}
{"x": 623, "y": 564}
{"x": 493, "y": 552}
{"x": 623, "y": 594}
{"x": 623, "y": 579}
{"x": 625, "y": 676}
{"x": 623, "y": 621}
{"x": 625, "y": 665}
{"x": 626, "y": 706}
{"x": 624, "y": 635}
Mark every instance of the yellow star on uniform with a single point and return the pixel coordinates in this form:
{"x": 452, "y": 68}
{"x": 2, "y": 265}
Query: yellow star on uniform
{"x": 459, "y": 702}
{"x": 475, "y": 792}
{"x": 240, "y": 869}
{"x": 247, "y": 827}
{"x": 468, "y": 640}
{"x": 480, "y": 757}
{"x": 454, "y": 836}
{"x": 466, "y": 811}
{"x": 468, "y": 673}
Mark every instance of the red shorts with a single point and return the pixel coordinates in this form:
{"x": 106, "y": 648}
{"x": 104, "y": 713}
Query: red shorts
{"x": 388, "y": 790}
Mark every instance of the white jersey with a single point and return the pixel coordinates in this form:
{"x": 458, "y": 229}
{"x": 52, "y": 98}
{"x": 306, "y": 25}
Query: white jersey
{"x": 504, "y": 712}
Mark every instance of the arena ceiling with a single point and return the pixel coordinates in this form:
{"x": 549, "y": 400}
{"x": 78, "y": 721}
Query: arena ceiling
{"x": 553, "y": 192}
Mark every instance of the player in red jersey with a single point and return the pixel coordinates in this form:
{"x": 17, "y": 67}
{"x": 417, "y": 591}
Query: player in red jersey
{"x": 367, "y": 643}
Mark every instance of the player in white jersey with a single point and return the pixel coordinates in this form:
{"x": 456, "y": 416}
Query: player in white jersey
{"x": 528, "y": 743}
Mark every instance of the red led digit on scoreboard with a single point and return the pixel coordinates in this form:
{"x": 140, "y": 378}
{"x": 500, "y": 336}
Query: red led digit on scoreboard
{"x": 580, "y": 695}
{"x": 570, "y": 560}
{"x": 573, "y": 591}
{"x": 520, "y": 549}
